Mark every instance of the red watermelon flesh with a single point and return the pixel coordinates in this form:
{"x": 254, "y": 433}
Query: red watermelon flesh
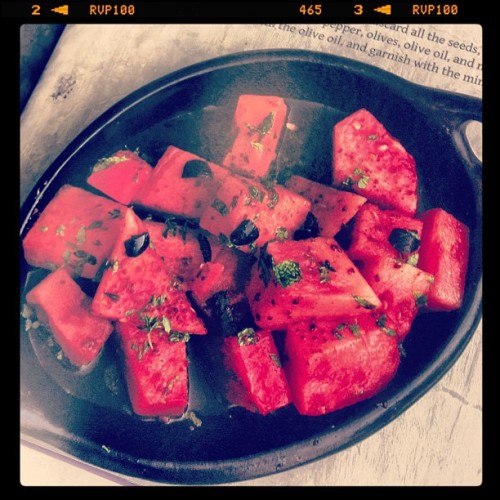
{"x": 371, "y": 233}
{"x": 179, "y": 250}
{"x": 120, "y": 176}
{"x": 370, "y": 161}
{"x": 175, "y": 188}
{"x": 257, "y": 367}
{"x": 332, "y": 207}
{"x": 267, "y": 212}
{"x": 312, "y": 278}
{"x": 445, "y": 254}
{"x": 65, "y": 309}
{"x": 156, "y": 367}
{"x": 403, "y": 289}
{"x": 259, "y": 122}
{"x": 337, "y": 363}
{"x": 77, "y": 229}
{"x": 130, "y": 283}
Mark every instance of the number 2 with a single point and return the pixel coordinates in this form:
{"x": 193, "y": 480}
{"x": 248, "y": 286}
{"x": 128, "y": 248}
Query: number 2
{"x": 35, "y": 10}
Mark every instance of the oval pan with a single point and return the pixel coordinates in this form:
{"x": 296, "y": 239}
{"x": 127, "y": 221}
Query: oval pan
{"x": 185, "y": 108}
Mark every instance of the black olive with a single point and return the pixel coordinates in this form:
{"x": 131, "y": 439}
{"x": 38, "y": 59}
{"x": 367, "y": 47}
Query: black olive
{"x": 196, "y": 168}
{"x": 205, "y": 248}
{"x": 137, "y": 244}
{"x": 404, "y": 240}
{"x": 309, "y": 229}
{"x": 244, "y": 234}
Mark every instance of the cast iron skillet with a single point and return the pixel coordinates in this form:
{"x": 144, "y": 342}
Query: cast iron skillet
{"x": 87, "y": 414}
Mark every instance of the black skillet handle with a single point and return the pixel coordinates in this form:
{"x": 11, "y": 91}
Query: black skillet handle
{"x": 455, "y": 114}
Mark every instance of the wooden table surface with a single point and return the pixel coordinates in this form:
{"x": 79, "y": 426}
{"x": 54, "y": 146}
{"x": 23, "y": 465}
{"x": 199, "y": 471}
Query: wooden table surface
{"x": 437, "y": 441}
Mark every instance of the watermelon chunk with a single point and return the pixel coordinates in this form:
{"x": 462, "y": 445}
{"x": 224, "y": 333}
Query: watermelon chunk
{"x": 332, "y": 207}
{"x": 444, "y": 252}
{"x": 403, "y": 289}
{"x": 259, "y": 122}
{"x": 248, "y": 213}
{"x": 370, "y": 161}
{"x": 312, "y": 278}
{"x": 136, "y": 277}
{"x": 156, "y": 364}
{"x": 77, "y": 229}
{"x": 182, "y": 183}
{"x": 64, "y": 308}
{"x": 260, "y": 383}
{"x": 120, "y": 175}
{"x": 178, "y": 248}
{"x": 208, "y": 281}
{"x": 335, "y": 364}
{"x": 371, "y": 234}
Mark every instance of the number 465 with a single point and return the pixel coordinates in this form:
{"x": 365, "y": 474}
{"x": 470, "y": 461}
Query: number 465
{"x": 310, "y": 10}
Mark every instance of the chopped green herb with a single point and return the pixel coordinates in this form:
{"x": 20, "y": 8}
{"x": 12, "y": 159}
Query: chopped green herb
{"x": 129, "y": 312}
{"x": 150, "y": 323}
{"x": 274, "y": 199}
{"x": 381, "y": 323}
{"x": 175, "y": 336}
{"x": 157, "y": 300}
{"x": 80, "y": 236}
{"x": 97, "y": 224}
{"x": 44, "y": 229}
{"x": 67, "y": 257}
{"x": 281, "y": 233}
{"x": 420, "y": 299}
{"x": 257, "y": 145}
{"x": 287, "y": 273}
{"x": 165, "y": 322}
{"x": 413, "y": 259}
{"x": 275, "y": 359}
{"x": 247, "y": 336}
{"x": 354, "y": 327}
{"x": 372, "y": 137}
{"x": 60, "y": 230}
{"x": 338, "y": 329}
{"x": 363, "y": 302}
{"x": 220, "y": 206}
{"x": 324, "y": 271}
{"x": 265, "y": 126}
{"x": 362, "y": 182}
{"x": 256, "y": 193}
{"x": 115, "y": 213}
{"x": 381, "y": 320}
{"x": 104, "y": 163}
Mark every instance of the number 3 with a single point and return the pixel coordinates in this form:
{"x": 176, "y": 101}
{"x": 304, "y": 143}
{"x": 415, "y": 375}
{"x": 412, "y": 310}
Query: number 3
{"x": 358, "y": 9}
